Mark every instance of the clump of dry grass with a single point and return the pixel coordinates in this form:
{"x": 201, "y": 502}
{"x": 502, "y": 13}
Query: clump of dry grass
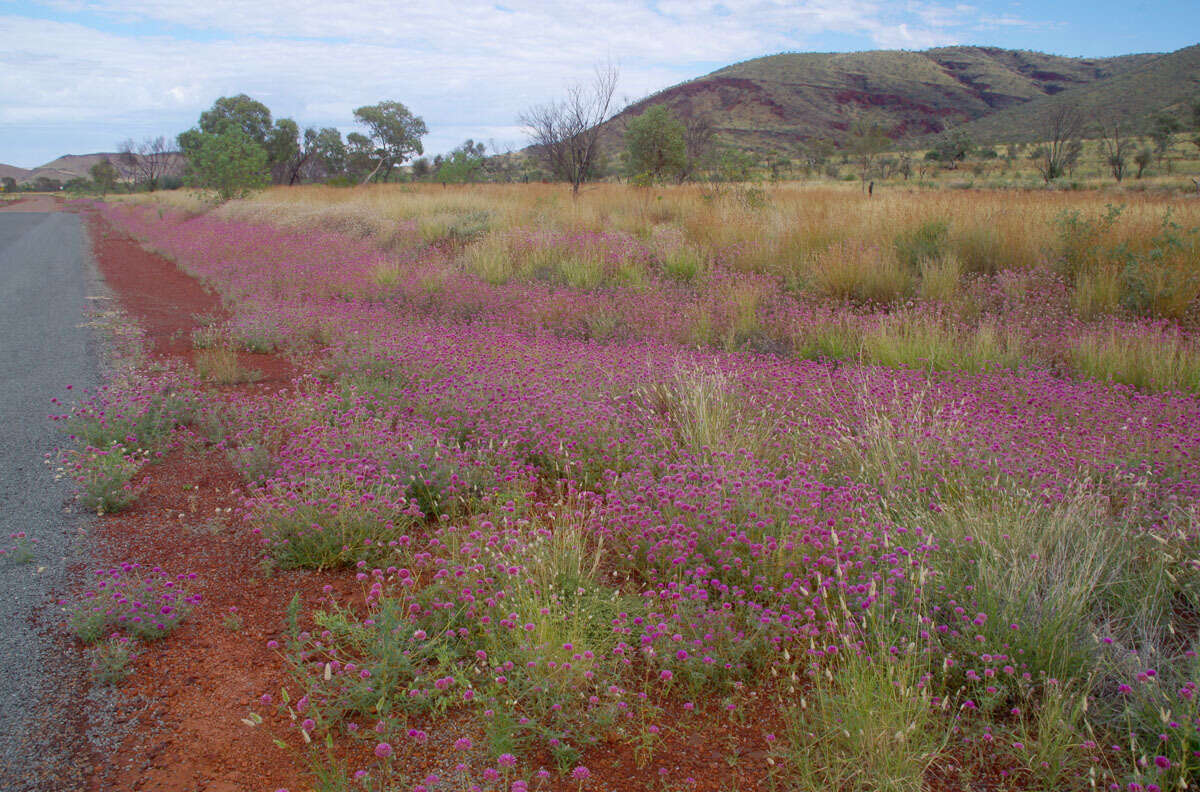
{"x": 863, "y": 273}
{"x": 220, "y": 365}
{"x": 1147, "y": 361}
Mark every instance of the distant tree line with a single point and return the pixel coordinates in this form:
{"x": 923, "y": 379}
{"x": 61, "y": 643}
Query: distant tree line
{"x": 237, "y": 146}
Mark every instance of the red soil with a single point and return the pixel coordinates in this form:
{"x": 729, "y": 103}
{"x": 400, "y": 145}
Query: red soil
{"x": 204, "y": 679}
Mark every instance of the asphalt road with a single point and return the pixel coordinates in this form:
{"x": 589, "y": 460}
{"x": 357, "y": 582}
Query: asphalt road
{"x": 45, "y": 278}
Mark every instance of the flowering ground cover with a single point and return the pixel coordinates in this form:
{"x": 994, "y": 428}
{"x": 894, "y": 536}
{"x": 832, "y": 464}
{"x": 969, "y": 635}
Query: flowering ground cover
{"x": 595, "y": 508}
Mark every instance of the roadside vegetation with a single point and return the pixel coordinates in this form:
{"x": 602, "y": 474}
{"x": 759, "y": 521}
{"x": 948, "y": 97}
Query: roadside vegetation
{"x": 904, "y": 485}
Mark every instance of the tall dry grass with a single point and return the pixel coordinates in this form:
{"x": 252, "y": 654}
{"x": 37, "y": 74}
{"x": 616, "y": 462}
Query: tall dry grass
{"x": 1133, "y": 255}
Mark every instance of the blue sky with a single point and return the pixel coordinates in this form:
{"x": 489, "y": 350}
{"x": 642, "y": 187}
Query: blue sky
{"x": 78, "y": 76}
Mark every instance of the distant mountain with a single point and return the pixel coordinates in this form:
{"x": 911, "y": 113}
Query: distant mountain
{"x": 772, "y": 103}
{"x": 1167, "y": 82}
{"x": 78, "y": 166}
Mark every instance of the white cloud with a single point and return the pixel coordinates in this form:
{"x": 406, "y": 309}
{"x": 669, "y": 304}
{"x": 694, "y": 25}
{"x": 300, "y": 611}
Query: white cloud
{"x": 466, "y": 67}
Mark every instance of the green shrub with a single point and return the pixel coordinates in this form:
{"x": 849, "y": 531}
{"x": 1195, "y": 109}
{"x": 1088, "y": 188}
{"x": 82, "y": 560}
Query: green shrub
{"x": 925, "y": 242}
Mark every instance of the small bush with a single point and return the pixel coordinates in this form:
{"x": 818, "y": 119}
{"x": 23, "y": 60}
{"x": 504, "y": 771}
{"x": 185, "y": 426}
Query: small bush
{"x": 105, "y": 476}
{"x": 925, "y": 242}
{"x": 112, "y": 660}
{"x": 869, "y": 727}
{"x": 139, "y": 412}
{"x": 684, "y": 264}
{"x": 145, "y": 603}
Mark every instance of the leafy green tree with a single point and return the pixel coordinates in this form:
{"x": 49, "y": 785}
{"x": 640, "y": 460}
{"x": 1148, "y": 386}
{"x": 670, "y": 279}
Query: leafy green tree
{"x": 1162, "y": 132}
{"x": 1142, "y": 159}
{"x": 292, "y": 158}
{"x": 395, "y": 132}
{"x": 1196, "y": 122}
{"x": 813, "y": 154}
{"x": 10, "y": 184}
{"x": 229, "y": 163}
{"x": 279, "y": 139}
{"x": 867, "y": 140}
{"x": 420, "y": 168}
{"x": 328, "y": 149}
{"x": 360, "y": 156}
{"x": 735, "y": 165}
{"x": 104, "y": 175}
{"x": 285, "y": 154}
{"x": 250, "y": 115}
{"x": 463, "y": 165}
{"x": 655, "y": 145}
{"x": 778, "y": 165}
{"x": 1193, "y": 120}
{"x": 951, "y": 148}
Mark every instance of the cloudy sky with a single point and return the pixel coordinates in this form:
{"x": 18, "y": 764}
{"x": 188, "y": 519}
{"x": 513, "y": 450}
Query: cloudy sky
{"x": 77, "y": 76}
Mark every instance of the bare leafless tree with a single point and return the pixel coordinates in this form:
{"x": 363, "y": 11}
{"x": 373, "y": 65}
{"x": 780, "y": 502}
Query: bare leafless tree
{"x": 699, "y": 134}
{"x": 146, "y": 162}
{"x": 1062, "y": 129}
{"x": 1115, "y": 149}
{"x": 564, "y": 135}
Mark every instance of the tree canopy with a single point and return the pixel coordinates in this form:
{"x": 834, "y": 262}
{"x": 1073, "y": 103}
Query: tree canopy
{"x": 250, "y": 115}
{"x": 463, "y": 165}
{"x": 395, "y": 133}
{"x": 230, "y": 163}
{"x": 655, "y": 145}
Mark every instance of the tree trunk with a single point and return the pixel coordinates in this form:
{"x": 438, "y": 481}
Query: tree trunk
{"x": 371, "y": 175}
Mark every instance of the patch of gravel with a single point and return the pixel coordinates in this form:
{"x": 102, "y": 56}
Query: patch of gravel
{"x": 48, "y": 286}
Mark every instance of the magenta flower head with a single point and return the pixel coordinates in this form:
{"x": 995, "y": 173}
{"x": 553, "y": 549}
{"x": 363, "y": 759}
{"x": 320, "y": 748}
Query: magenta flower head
{"x": 1162, "y": 763}
{"x": 462, "y": 744}
{"x": 665, "y": 675}
{"x": 383, "y": 750}
{"x": 580, "y": 773}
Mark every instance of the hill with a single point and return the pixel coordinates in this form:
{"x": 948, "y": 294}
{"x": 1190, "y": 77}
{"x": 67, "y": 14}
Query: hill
{"x": 78, "y": 166}
{"x": 13, "y": 172}
{"x": 74, "y": 166}
{"x": 772, "y": 103}
{"x": 1167, "y": 82}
